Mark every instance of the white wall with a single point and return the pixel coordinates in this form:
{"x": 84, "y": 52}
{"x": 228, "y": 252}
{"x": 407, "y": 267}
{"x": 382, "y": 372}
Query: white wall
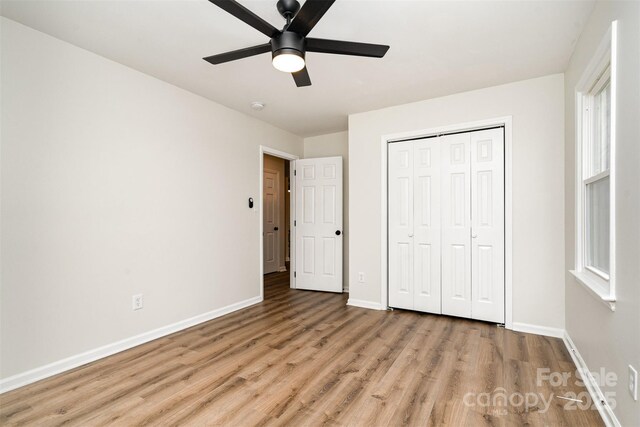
{"x": 330, "y": 145}
{"x": 606, "y": 339}
{"x": 115, "y": 183}
{"x": 537, "y": 108}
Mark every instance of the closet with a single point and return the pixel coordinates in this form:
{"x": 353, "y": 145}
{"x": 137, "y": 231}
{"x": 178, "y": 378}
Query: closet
{"x": 446, "y": 224}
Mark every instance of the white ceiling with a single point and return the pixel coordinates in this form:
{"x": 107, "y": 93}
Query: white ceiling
{"x": 437, "y": 48}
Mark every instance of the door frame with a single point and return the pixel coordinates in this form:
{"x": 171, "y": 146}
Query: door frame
{"x": 263, "y": 149}
{"x": 505, "y": 121}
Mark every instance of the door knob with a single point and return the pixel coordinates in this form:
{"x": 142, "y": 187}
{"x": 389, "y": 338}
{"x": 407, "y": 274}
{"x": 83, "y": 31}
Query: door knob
{"x": 275, "y": 228}
{"x": 410, "y": 235}
{"x": 474, "y": 235}
{"x": 338, "y": 232}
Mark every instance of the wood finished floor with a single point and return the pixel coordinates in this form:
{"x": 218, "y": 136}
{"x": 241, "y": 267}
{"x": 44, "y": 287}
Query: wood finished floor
{"x": 305, "y": 358}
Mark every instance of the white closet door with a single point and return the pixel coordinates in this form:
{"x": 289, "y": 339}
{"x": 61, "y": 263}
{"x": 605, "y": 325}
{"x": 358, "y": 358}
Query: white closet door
{"x": 456, "y": 224}
{"x": 487, "y": 232}
{"x": 319, "y": 224}
{"x": 426, "y": 225}
{"x": 401, "y": 225}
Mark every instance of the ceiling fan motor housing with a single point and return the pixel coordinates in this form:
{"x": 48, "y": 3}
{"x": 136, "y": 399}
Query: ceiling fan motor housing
{"x": 287, "y": 42}
{"x": 288, "y": 8}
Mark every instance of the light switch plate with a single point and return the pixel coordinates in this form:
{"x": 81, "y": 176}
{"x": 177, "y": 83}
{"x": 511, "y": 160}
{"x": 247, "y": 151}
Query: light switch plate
{"x": 633, "y": 382}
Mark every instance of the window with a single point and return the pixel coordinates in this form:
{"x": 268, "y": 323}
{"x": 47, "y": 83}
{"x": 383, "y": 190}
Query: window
{"x": 595, "y": 145}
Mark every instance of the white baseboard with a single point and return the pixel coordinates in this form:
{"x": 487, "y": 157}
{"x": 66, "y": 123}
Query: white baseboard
{"x": 282, "y": 269}
{"x": 538, "y": 330}
{"x": 364, "y": 304}
{"x": 609, "y": 418}
{"x": 60, "y": 366}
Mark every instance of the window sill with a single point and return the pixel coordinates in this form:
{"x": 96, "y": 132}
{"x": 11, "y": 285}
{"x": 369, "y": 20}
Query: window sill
{"x": 595, "y": 285}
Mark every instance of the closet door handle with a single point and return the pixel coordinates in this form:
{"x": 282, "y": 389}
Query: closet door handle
{"x": 410, "y": 235}
{"x": 474, "y": 235}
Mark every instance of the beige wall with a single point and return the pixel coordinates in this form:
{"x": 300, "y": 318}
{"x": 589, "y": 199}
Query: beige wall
{"x": 115, "y": 183}
{"x": 277, "y": 164}
{"x": 606, "y": 339}
{"x": 330, "y": 145}
{"x": 537, "y": 107}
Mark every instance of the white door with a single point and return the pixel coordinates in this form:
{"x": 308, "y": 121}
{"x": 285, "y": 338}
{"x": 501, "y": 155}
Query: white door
{"x": 270, "y": 226}
{"x": 318, "y": 262}
{"x": 400, "y": 203}
{"x": 456, "y": 224}
{"x": 414, "y": 225}
{"x": 446, "y": 225}
{"x": 426, "y": 225}
{"x": 487, "y": 225}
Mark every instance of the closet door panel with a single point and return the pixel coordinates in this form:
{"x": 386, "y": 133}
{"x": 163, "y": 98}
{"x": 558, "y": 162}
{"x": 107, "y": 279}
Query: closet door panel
{"x": 401, "y": 252}
{"x": 456, "y": 224}
{"x": 487, "y": 233}
{"x": 426, "y": 229}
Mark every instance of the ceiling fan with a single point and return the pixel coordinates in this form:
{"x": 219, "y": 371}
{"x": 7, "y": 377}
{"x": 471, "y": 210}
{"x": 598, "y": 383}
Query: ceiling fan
{"x": 289, "y": 45}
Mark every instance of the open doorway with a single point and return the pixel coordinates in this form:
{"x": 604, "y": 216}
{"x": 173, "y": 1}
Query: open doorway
{"x": 306, "y": 255}
{"x": 276, "y": 222}
{"x": 275, "y": 212}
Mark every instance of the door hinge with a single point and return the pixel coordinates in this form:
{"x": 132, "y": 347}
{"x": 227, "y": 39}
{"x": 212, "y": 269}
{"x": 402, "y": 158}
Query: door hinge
{"x": 294, "y": 274}
{"x": 295, "y": 172}
{"x": 294, "y": 222}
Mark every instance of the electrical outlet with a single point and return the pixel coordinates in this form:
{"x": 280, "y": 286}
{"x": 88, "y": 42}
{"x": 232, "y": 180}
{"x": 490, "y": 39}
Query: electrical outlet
{"x": 137, "y": 302}
{"x": 633, "y": 382}
{"x": 361, "y": 277}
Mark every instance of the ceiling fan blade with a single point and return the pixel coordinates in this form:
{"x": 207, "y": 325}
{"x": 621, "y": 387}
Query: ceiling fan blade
{"x": 245, "y": 15}
{"x": 238, "y": 54}
{"x": 309, "y": 15}
{"x": 302, "y": 78}
{"x": 341, "y": 47}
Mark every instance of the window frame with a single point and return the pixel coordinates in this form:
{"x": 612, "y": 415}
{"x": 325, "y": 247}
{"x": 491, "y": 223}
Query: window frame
{"x": 600, "y": 71}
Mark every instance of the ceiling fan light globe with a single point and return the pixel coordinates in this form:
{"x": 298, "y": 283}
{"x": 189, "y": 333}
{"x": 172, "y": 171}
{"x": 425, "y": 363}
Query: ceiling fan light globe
{"x": 288, "y": 62}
